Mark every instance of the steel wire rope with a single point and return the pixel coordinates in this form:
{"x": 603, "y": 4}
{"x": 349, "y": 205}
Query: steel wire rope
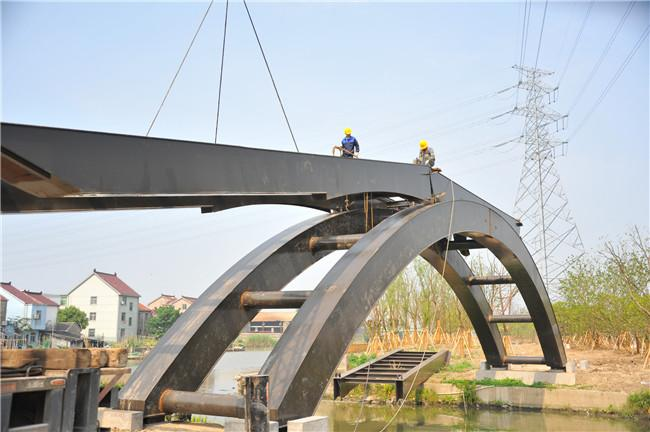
{"x": 268, "y": 68}
{"x": 180, "y": 66}
{"x": 603, "y": 55}
{"x": 541, "y": 34}
{"x": 444, "y": 267}
{"x": 575, "y": 44}
{"x": 223, "y": 55}
{"x": 613, "y": 80}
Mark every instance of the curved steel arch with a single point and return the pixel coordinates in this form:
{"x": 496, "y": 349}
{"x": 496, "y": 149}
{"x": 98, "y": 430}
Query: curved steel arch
{"x": 187, "y": 352}
{"x": 304, "y": 359}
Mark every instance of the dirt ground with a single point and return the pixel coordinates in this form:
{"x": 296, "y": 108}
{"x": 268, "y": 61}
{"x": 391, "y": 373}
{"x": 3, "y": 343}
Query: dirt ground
{"x": 608, "y": 370}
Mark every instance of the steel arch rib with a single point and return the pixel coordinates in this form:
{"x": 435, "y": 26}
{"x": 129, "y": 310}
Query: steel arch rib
{"x": 198, "y": 338}
{"x": 473, "y": 300}
{"x": 304, "y": 359}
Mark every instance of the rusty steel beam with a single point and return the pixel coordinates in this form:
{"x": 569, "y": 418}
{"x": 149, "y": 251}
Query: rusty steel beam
{"x": 489, "y": 280}
{"x": 528, "y": 360}
{"x": 185, "y": 402}
{"x": 336, "y": 242}
{"x": 306, "y": 356}
{"x": 510, "y": 319}
{"x": 274, "y": 299}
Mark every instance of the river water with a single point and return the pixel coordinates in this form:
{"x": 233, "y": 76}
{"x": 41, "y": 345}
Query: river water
{"x": 344, "y": 416}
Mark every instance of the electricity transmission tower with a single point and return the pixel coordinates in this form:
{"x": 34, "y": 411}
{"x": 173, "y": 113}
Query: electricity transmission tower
{"x": 541, "y": 205}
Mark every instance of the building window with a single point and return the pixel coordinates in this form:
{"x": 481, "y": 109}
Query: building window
{"x": 93, "y": 300}
{"x": 184, "y": 306}
{"x": 123, "y": 316}
{"x": 130, "y": 321}
{"x": 122, "y": 333}
{"x": 122, "y": 300}
{"x": 91, "y": 333}
{"x": 92, "y": 316}
{"x": 37, "y": 315}
{"x": 130, "y": 306}
{"x": 64, "y": 300}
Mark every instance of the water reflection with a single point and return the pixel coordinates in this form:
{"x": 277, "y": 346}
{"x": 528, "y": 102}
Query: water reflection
{"x": 374, "y": 417}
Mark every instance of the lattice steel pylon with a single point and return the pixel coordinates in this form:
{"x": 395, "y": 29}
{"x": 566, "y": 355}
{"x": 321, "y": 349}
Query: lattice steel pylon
{"x": 541, "y": 205}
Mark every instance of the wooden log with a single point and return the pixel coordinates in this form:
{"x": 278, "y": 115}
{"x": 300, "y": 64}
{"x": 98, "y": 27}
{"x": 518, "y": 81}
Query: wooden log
{"x": 98, "y": 358}
{"x": 52, "y": 358}
{"x": 117, "y": 357}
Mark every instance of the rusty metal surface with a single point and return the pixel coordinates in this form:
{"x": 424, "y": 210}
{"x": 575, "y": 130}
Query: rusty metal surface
{"x": 184, "y": 402}
{"x": 304, "y": 359}
{"x": 489, "y": 280}
{"x": 188, "y": 351}
{"x": 510, "y": 319}
{"x": 274, "y": 299}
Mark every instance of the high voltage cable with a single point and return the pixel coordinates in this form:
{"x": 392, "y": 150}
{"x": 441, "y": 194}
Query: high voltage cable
{"x": 575, "y": 44}
{"x": 268, "y": 68}
{"x": 541, "y": 33}
{"x": 600, "y": 60}
{"x": 223, "y": 55}
{"x": 612, "y": 81}
{"x": 180, "y": 66}
{"x": 524, "y": 40}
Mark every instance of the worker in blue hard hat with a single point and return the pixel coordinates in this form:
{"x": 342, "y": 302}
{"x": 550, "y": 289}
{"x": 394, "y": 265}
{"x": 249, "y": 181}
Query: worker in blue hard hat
{"x": 349, "y": 145}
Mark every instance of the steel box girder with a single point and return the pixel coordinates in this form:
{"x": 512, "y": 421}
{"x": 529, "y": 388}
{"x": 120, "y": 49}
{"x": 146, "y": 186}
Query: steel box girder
{"x": 68, "y": 170}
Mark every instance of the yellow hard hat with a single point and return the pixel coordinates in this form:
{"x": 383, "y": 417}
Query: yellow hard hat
{"x": 423, "y": 144}
{"x": 348, "y": 131}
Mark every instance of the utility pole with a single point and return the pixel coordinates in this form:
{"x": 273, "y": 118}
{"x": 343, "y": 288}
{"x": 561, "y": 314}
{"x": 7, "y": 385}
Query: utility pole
{"x": 541, "y": 205}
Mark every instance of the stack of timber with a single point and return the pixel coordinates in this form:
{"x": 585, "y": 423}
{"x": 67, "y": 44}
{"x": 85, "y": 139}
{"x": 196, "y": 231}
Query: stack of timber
{"x": 62, "y": 359}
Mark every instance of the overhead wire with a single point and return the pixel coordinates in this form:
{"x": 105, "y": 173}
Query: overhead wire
{"x": 524, "y": 42}
{"x": 268, "y": 68}
{"x": 613, "y": 80}
{"x": 576, "y": 42}
{"x": 223, "y": 55}
{"x": 603, "y": 55}
{"x": 180, "y": 66}
{"x": 541, "y": 33}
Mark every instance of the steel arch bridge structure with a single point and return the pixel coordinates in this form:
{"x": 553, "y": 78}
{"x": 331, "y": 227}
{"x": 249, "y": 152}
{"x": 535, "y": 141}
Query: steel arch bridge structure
{"x": 414, "y": 212}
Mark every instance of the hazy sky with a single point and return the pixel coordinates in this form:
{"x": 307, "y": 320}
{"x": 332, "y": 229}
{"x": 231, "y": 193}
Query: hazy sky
{"x": 393, "y": 72}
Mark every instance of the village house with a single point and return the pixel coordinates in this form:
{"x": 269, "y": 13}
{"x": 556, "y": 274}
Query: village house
{"x": 144, "y": 314}
{"x": 269, "y": 322}
{"x": 110, "y": 304}
{"x": 181, "y": 304}
{"x": 29, "y": 310}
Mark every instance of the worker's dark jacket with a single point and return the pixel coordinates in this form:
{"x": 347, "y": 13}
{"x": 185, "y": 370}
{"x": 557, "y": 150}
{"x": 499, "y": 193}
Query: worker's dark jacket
{"x": 351, "y": 145}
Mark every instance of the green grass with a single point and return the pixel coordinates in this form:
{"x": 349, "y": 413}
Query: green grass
{"x": 356, "y": 360}
{"x": 638, "y": 403}
{"x": 462, "y": 366}
{"x": 505, "y": 382}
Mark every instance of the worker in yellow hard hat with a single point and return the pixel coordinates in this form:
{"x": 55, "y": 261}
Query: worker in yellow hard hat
{"x": 349, "y": 145}
{"x": 426, "y": 156}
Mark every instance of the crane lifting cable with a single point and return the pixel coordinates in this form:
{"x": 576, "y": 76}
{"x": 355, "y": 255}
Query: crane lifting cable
{"x": 268, "y": 68}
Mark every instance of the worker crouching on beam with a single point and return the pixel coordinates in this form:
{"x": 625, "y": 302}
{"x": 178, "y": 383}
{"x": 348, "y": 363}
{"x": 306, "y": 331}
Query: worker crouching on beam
{"x": 426, "y": 155}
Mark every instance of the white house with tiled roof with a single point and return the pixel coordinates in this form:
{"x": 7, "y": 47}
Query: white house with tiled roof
{"x": 110, "y": 304}
{"x": 32, "y": 306}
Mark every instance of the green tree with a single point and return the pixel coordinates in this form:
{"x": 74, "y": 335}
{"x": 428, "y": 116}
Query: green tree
{"x": 162, "y": 320}
{"x": 72, "y": 314}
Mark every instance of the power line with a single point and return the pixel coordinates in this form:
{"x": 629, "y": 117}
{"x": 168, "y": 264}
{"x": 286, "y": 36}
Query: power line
{"x": 268, "y": 68}
{"x": 575, "y": 44}
{"x": 223, "y": 55}
{"x": 541, "y": 33}
{"x": 180, "y": 66}
{"x": 524, "y": 39}
{"x": 600, "y": 60}
{"x": 612, "y": 81}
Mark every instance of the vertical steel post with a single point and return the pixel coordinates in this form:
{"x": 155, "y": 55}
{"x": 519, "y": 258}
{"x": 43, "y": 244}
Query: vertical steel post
{"x": 255, "y": 403}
